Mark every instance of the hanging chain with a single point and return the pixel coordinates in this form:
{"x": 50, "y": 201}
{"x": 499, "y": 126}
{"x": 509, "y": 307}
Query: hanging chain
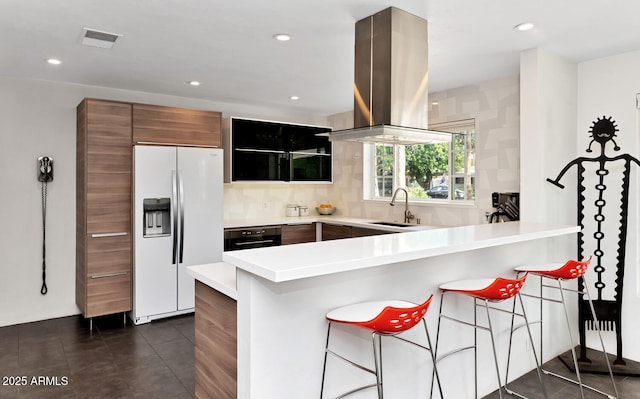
{"x": 44, "y": 289}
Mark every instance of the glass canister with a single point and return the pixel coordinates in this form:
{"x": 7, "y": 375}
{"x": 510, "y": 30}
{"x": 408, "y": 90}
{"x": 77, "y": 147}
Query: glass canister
{"x": 292, "y": 210}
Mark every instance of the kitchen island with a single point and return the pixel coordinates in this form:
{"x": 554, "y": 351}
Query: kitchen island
{"x": 283, "y": 294}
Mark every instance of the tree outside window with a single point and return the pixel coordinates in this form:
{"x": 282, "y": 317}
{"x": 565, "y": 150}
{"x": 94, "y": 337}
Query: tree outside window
{"x": 442, "y": 170}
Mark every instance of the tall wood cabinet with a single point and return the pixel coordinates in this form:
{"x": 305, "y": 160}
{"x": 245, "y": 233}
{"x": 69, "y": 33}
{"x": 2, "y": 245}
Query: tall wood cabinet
{"x": 103, "y": 207}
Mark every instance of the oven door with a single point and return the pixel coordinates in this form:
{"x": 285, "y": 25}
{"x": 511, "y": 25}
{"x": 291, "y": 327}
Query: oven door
{"x": 256, "y": 237}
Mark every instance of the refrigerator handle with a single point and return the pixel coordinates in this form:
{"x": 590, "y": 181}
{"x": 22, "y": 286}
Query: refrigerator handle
{"x": 174, "y": 199}
{"x": 181, "y": 196}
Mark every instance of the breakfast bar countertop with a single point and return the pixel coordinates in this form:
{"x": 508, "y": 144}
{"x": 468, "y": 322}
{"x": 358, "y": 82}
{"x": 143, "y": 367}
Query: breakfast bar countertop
{"x": 292, "y": 262}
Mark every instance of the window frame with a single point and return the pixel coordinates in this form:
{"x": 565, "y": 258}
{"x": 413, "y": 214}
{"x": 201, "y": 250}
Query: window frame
{"x": 370, "y": 186}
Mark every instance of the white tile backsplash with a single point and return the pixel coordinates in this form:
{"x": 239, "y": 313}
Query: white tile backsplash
{"x": 495, "y": 107}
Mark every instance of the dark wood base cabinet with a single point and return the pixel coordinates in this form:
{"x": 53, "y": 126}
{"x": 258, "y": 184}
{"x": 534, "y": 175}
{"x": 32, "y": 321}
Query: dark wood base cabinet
{"x": 298, "y": 233}
{"x": 216, "y": 344}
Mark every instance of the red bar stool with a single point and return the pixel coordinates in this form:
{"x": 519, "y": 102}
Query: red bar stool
{"x": 383, "y": 319}
{"x": 483, "y": 292}
{"x": 559, "y": 272}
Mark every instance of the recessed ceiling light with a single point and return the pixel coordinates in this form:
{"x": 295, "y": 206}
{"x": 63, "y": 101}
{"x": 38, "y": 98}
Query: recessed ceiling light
{"x": 434, "y": 103}
{"x": 54, "y": 61}
{"x": 194, "y": 83}
{"x": 294, "y": 98}
{"x": 283, "y": 37}
{"x": 524, "y": 26}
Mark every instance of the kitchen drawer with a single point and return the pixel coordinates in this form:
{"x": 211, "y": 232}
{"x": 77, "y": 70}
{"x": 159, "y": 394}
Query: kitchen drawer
{"x": 108, "y": 293}
{"x": 108, "y": 253}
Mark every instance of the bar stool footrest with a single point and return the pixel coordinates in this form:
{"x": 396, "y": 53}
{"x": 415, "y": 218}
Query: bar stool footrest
{"x": 567, "y": 379}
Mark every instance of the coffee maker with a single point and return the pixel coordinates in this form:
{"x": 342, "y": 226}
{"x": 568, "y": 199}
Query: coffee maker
{"x": 507, "y": 207}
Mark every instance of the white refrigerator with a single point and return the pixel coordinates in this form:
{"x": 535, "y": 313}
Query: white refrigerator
{"x": 178, "y": 222}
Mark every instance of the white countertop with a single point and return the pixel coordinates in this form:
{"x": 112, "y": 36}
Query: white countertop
{"x": 219, "y": 276}
{"x": 331, "y": 219}
{"x": 292, "y": 262}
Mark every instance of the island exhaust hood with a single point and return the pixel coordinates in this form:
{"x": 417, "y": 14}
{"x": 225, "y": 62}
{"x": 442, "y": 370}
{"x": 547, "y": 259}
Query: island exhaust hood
{"x": 390, "y": 81}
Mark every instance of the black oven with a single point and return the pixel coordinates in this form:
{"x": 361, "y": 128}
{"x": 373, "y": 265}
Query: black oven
{"x": 253, "y": 237}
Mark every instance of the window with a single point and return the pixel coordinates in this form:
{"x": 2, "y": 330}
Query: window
{"x": 443, "y": 170}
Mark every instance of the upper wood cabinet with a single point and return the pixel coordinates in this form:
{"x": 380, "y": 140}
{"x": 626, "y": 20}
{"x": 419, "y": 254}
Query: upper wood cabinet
{"x": 103, "y": 207}
{"x": 176, "y": 126}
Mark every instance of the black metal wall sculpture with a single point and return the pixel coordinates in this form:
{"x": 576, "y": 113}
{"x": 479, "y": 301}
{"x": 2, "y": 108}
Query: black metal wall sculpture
{"x": 607, "y": 188}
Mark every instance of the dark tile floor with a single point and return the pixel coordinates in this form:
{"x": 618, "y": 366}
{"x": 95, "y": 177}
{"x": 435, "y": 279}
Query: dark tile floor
{"x": 61, "y": 358}
{"x": 529, "y": 385}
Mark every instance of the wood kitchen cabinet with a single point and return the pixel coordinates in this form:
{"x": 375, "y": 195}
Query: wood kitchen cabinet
{"x": 103, "y": 208}
{"x": 216, "y": 363}
{"x": 176, "y": 126}
{"x": 335, "y": 232}
{"x": 267, "y": 151}
{"x": 298, "y": 233}
{"x": 365, "y": 232}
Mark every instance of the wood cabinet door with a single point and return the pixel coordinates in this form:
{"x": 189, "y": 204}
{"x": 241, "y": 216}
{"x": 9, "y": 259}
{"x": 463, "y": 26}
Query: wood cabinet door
{"x": 108, "y": 167}
{"x": 216, "y": 344}
{"x": 298, "y": 233}
{"x": 335, "y": 232}
{"x": 176, "y": 126}
{"x": 364, "y": 232}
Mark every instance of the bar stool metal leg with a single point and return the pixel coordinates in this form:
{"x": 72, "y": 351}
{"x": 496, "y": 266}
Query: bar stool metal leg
{"x": 493, "y": 346}
{"x": 558, "y": 277}
{"x": 377, "y": 359}
{"x": 386, "y": 319}
{"x": 604, "y": 352}
{"x": 475, "y": 344}
{"x": 535, "y": 356}
{"x": 484, "y": 291}
{"x": 573, "y": 350}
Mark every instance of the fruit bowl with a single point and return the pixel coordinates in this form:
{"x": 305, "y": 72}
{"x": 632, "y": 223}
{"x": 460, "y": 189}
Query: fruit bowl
{"x": 325, "y": 210}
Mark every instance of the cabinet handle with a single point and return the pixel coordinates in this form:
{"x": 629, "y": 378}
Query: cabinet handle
{"x": 253, "y": 242}
{"x": 101, "y": 235}
{"x": 261, "y": 151}
{"x": 174, "y": 144}
{"x": 110, "y": 275}
{"x": 310, "y": 153}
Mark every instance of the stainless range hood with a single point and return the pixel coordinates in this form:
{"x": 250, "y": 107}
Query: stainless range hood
{"x": 390, "y": 81}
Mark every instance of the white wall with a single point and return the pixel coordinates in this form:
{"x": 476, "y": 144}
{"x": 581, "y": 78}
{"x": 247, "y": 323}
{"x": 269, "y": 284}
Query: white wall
{"x": 548, "y": 96}
{"x": 548, "y": 89}
{"x": 548, "y": 92}
{"x": 39, "y": 118}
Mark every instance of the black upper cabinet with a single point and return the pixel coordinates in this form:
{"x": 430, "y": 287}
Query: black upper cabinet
{"x": 272, "y": 151}
{"x": 256, "y": 135}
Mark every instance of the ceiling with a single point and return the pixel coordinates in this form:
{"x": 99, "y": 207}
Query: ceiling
{"x": 228, "y": 45}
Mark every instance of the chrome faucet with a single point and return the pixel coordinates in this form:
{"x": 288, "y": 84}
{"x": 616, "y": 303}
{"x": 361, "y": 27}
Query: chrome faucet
{"x": 407, "y": 213}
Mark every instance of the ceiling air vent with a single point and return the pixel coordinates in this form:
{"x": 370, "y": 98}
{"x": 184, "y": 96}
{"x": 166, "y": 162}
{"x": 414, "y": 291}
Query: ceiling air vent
{"x": 98, "y": 38}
